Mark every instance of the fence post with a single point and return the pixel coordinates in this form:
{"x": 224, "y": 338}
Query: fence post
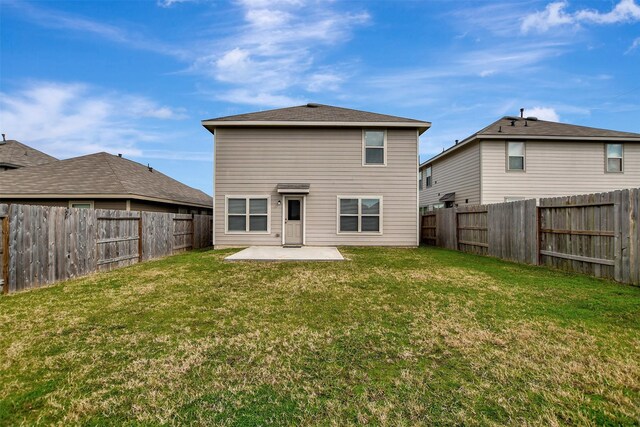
{"x": 140, "y": 237}
{"x": 5, "y": 254}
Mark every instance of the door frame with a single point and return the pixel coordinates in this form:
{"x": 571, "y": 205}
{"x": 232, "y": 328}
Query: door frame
{"x": 303, "y": 197}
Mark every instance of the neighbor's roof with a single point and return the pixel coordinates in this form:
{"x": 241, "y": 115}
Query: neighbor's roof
{"x": 314, "y": 115}
{"x": 534, "y": 129}
{"x": 99, "y": 175}
{"x": 16, "y": 154}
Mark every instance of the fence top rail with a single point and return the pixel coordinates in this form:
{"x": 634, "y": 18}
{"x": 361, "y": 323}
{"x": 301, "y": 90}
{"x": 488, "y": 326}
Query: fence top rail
{"x": 578, "y": 205}
{"x": 119, "y": 218}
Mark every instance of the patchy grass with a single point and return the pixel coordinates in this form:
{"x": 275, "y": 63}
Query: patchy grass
{"x": 394, "y": 336}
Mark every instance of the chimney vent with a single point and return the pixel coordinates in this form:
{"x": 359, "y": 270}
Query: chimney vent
{"x": 457, "y": 141}
{"x": 313, "y": 105}
{"x": 119, "y": 154}
{"x": 4, "y": 137}
{"x": 500, "y": 129}
{"x": 513, "y": 122}
{"x": 149, "y": 167}
{"x": 522, "y": 113}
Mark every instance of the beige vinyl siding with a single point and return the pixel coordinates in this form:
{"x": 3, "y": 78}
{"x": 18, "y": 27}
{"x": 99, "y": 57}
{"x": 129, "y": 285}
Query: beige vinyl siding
{"x": 459, "y": 173}
{"x": 252, "y": 161}
{"x": 555, "y": 168}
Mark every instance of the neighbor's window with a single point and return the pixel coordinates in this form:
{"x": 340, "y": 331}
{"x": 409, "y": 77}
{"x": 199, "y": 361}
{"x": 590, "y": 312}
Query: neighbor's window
{"x": 516, "y": 156}
{"x": 247, "y": 214}
{"x": 374, "y": 147}
{"x": 360, "y": 214}
{"x": 81, "y": 204}
{"x": 420, "y": 180}
{"x": 428, "y": 173}
{"x": 438, "y": 206}
{"x": 614, "y": 157}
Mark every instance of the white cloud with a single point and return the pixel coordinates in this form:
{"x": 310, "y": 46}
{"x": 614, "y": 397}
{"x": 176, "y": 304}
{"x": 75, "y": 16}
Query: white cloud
{"x": 543, "y": 113}
{"x": 555, "y": 15}
{"x": 275, "y": 50}
{"x": 69, "y": 119}
{"x": 634, "y": 45}
{"x": 170, "y": 3}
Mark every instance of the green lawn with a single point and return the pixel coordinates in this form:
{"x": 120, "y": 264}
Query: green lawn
{"x": 391, "y": 337}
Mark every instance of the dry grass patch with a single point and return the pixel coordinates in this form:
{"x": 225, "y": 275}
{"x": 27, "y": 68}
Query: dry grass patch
{"x": 392, "y": 337}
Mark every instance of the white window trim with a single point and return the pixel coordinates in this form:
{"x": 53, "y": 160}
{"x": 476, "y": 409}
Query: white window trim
{"x": 426, "y": 181}
{"x": 366, "y": 233}
{"x": 606, "y": 157}
{"x": 364, "y": 149}
{"x": 84, "y": 202}
{"x": 246, "y": 197}
{"x": 524, "y": 157}
{"x": 420, "y": 180}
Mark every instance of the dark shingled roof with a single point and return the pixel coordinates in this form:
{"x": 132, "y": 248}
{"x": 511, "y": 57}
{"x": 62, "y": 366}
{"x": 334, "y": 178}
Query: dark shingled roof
{"x": 99, "y": 173}
{"x": 545, "y": 128}
{"x": 314, "y": 113}
{"x": 526, "y": 128}
{"x": 16, "y": 154}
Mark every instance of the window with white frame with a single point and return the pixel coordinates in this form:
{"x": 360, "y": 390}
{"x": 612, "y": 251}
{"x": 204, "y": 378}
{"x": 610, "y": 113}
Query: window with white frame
{"x": 516, "y": 156}
{"x": 81, "y": 204}
{"x": 428, "y": 173}
{"x": 420, "y": 180}
{"x": 614, "y": 158}
{"x": 374, "y": 147}
{"x": 247, "y": 214}
{"x": 360, "y": 214}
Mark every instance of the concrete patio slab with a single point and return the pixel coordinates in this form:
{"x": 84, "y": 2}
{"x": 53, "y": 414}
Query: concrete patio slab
{"x": 278, "y": 253}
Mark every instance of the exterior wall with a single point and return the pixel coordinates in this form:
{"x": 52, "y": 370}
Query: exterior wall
{"x": 458, "y": 172}
{"x": 252, "y": 161}
{"x": 554, "y": 168}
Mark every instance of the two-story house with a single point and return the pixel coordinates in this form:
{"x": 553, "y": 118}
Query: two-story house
{"x": 518, "y": 158}
{"x": 315, "y": 175}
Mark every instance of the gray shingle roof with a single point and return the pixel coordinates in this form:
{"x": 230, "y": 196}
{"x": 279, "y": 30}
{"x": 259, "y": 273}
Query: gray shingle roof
{"x": 315, "y": 113}
{"x": 539, "y": 129}
{"x": 545, "y": 128}
{"x": 99, "y": 173}
{"x": 14, "y": 153}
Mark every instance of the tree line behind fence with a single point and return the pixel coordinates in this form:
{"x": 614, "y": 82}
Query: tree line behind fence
{"x": 41, "y": 245}
{"x": 595, "y": 234}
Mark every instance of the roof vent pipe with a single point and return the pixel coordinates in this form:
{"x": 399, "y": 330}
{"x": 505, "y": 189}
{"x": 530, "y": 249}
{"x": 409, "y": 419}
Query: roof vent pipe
{"x": 513, "y": 122}
{"x": 120, "y": 155}
{"x": 313, "y": 105}
{"x": 500, "y": 129}
{"x": 457, "y": 141}
{"x": 522, "y": 113}
{"x": 4, "y": 137}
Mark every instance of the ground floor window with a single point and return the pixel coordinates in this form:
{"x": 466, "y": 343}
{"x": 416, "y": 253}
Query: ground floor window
{"x": 247, "y": 214}
{"x": 81, "y": 204}
{"x": 359, "y": 214}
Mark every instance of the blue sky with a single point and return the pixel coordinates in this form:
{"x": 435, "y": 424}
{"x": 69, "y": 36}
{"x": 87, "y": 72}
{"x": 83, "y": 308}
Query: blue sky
{"x": 136, "y": 77}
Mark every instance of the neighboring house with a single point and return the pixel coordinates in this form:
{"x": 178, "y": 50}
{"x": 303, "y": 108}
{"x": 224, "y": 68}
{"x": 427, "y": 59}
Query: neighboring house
{"x": 14, "y": 155}
{"x": 101, "y": 181}
{"x": 315, "y": 175}
{"x": 519, "y": 158}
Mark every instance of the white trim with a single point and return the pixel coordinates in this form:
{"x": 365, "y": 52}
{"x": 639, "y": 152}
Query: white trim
{"x": 128, "y": 204}
{"x": 213, "y": 238}
{"x": 359, "y": 216}
{"x": 84, "y": 202}
{"x": 384, "y": 148}
{"x": 247, "y": 214}
{"x": 303, "y": 212}
{"x": 418, "y": 189}
{"x": 606, "y": 157}
{"x": 217, "y": 124}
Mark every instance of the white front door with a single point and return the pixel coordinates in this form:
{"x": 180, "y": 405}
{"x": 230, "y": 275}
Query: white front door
{"x": 293, "y": 221}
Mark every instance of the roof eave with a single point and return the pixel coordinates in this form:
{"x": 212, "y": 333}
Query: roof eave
{"x": 211, "y": 125}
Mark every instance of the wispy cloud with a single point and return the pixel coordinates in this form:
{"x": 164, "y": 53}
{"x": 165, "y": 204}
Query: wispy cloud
{"x": 170, "y": 3}
{"x": 634, "y": 45}
{"x": 55, "y": 19}
{"x": 67, "y": 119}
{"x": 556, "y": 15}
{"x": 274, "y": 51}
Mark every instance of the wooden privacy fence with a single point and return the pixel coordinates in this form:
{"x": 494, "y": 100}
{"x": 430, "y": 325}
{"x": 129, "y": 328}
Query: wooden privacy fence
{"x": 595, "y": 234}
{"x": 43, "y": 245}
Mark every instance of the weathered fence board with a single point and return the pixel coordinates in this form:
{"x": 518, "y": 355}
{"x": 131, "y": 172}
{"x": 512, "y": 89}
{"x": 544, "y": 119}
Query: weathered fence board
{"x": 595, "y": 234}
{"x": 43, "y": 245}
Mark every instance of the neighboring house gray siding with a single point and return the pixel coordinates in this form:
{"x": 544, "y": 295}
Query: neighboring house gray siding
{"x": 555, "y": 168}
{"x": 459, "y": 173}
{"x": 251, "y": 161}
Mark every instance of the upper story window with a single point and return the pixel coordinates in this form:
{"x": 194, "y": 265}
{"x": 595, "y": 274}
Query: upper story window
{"x": 247, "y": 214}
{"x": 614, "y": 157}
{"x": 516, "y": 156}
{"x": 374, "y": 148}
{"x": 420, "y": 180}
{"x": 428, "y": 174}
